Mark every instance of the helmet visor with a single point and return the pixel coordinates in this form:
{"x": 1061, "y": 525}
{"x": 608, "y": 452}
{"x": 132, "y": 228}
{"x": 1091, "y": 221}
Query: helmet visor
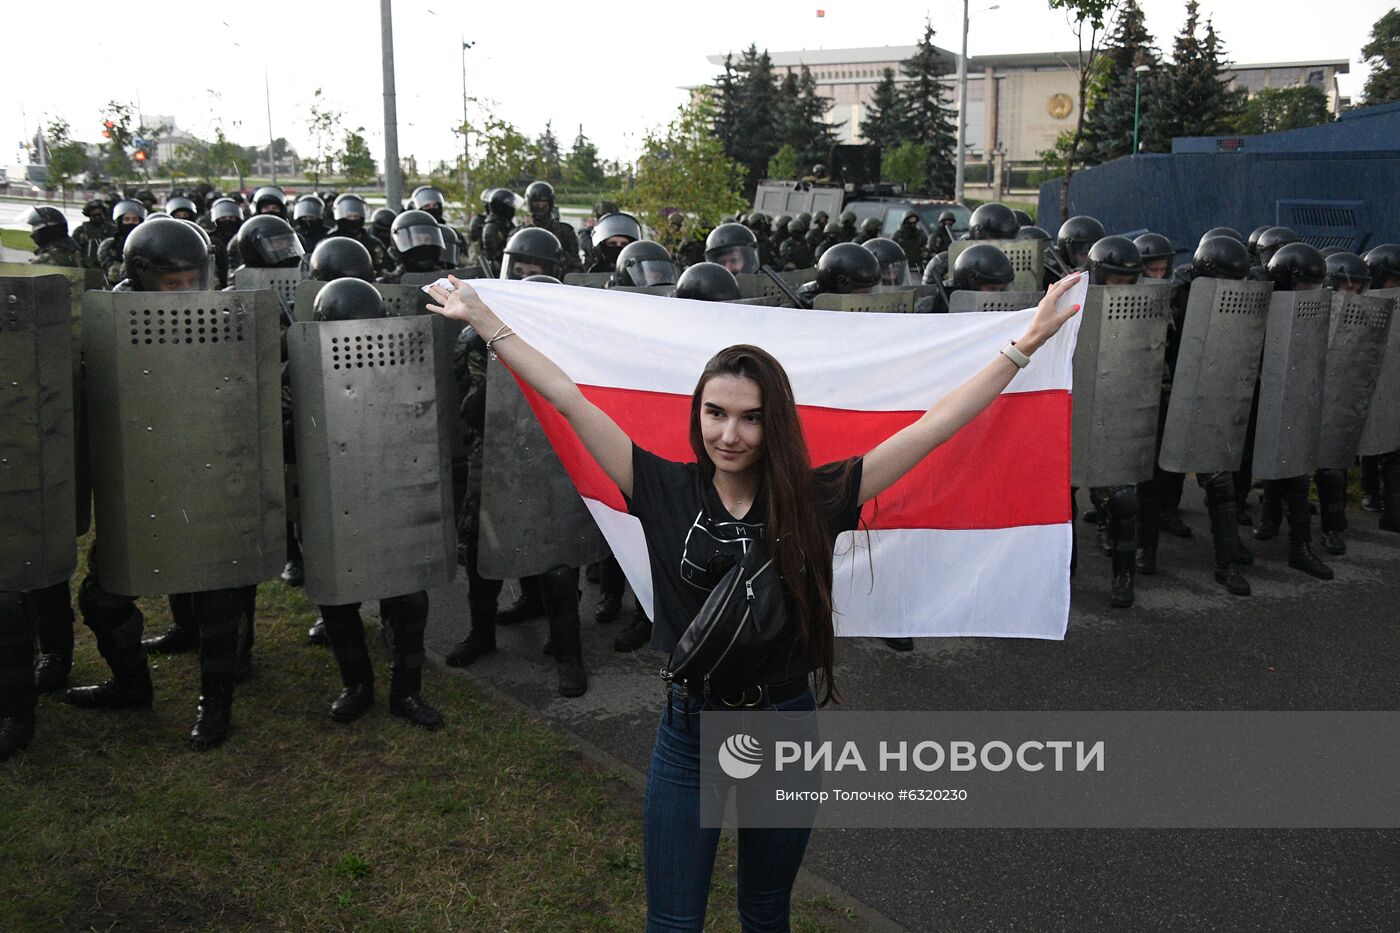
{"x": 280, "y": 248}
{"x": 406, "y": 238}
{"x": 740, "y": 260}
{"x": 449, "y": 251}
{"x": 652, "y": 272}
{"x": 895, "y": 273}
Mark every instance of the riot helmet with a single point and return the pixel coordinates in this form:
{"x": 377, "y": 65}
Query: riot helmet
{"x": 542, "y": 278}
{"x": 1230, "y": 232}
{"x": 348, "y": 299}
{"x": 1297, "y": 267}
{"x": 226, "y": 217}
{"x": 803, "y": 221}
{"x": 1114, "y": 260}
{"x": 382, "y": 220}
{"x": 936, "y": 269}
{"x": 1157, "y": 254}
{"x": 167, "y": 255}
{"x": 349, "y": 212}
{"x": 707, "y": 281}
{"x": 819, "y": 171}
{"x": 847, "y": 268}
{"x": 418, "y": 238}
{"x": 603, "y": 207}
{"x": 450, "y": 247}
{"x": 947, "y": 219}
{"x": 266, "y": 241}
{"x": 612, "y": 232}
{"x": 644, "y": 263}
{"x": 870, "y": 227}
{"x": 309, "y": 212}
{"x": 147, "y": 198}
{"x": 95, "y": 210}
{"x": 1252, "y": 243}
{"x": 982, "y": 268}
{"x": 1221, "y": 257}
{"x": 1074, "y": 238}
{"x": 733, "y": 246}
{"x": 270, "y": 199}
{"x": 181, "y": 207}
{"x": 1271, "y": 240}
{"x": 848, "y": 221}
{"x": 503, "y": 204}
{"x": 1032, "y": 232}
{"x": 1022, "y": 218}
{"x": 540, "y": 197}
{"x": 796, "y": 229}
{"x": 994, "y": 221}
{"x": 427, "y": 199}
{"x": 894, "y": 263}
{"x": 532, "y": 251}
{"x": 128, "y": 213}
{"x": 833, "y": 228}
{"x": 758, "y": 222}
{"x": 1347, "y": 272}
{"x": 820, "y": 219}
{"x": 1384, "y": 263}
{"x": 339, "y": 257}
{"x": 1330, "y": 251}
{"x": 46, "y": 225}
{"x": 780, "y": 223}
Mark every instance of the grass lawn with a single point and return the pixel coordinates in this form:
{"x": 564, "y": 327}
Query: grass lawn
{"x": 17, "y": 239}
{"x": 493, "y": 823}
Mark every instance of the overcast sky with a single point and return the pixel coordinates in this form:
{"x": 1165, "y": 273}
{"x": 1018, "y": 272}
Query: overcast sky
{"x": 617, "y": 68}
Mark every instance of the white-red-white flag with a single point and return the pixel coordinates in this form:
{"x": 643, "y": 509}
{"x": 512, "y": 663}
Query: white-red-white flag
{"x": 975, "y": 541}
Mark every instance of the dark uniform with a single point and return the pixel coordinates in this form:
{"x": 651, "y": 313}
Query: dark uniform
{"x": 93, "y": 231}
{"x": 911, "y": 239}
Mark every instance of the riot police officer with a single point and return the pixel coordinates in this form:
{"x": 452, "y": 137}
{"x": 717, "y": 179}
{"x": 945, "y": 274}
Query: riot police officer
{"x": 181, "y": 207}
{"x": 982, "y": 267}
{"x": 761, "y": 225}
{"x": 308, "y": 217}
{"x": 1072, "y": 242}
{"x": 532, "y": 251}
{"x": 818, "y": 230}
{"x": 499, "y": 224}
{"x": 539, "y": 195}
{"x": 1157, "y": 255}
{"x": 910, "y": 237}
{"x": 270, "y": 199}
{"x": 1269, "y": 242}
{"x": 644, "y": 263}
{"x": 1380, "y": 476}
{"x": 167, "y": 255}
{"x": 349, "y": 211}
{"x": 1294, "y": 267}
{"x": 380, "y": 223}
{"x": 125, "y": 216}
{"x": 894, "y": 262}
{"x": 942, "y": 236}
{"x": 147, "y": 199}
{"x": 602, "y": 208}
{"x": 610, "y": 234}
{"x": 794, "y": 252}
{"x": 780, "y": 233}
{"x": 848, "y": 226}
{"x": 418, "y": 244}
{"x": 93, "y": 231}
{"x": 735, "y": 247}
{"x": 266, "y": 241}
{"x": 993, "y": 221}
{"x": 844, "y": 269}
{"x": 1384, "y": 263}
{"x": 48, "y": 228}
{"x": 339, "y": 257}
{"x": 224, "y": 220}
{"x": 830, "y": 237}
{"x": 706, "y": 281}
{"x": 404, "y": 615}
{"x": 869, "y": 230}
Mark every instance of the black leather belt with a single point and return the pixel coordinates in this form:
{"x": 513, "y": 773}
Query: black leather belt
{"x": 754, "y": 694}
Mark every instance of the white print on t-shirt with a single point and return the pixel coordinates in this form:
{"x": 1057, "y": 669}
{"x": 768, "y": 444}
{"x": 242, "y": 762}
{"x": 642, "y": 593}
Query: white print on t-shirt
{"x": 707, "y": 556}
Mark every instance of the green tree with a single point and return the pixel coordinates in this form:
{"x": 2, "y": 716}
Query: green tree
{"x": 67, "y": 158}
{"x": 122, "y": 126}
{"x": 1088, "y": 18}
{"x": 801, "y": 120}
{"x": 751, "y": 103}
{"x": 1192, "y": 96}
{"x": 356, "y": 160}
{"x": 1382, "y": 54}
{"x": 581, "y": 168}
{"x": 548, "y": 162}
{"x": 887, "y": 116}
{"x": 323, "y": 123}
{"x": 683, "y": 167}
{"x": 227, "y": 156}
{"x": 1284, "y": 108}
{"x": 503, "y": 154}
{"x": 784, "y": 162}
{"x": 929, "y": 118}
{"x": 907, "y": 165}
{"x": 1110, "y": 109}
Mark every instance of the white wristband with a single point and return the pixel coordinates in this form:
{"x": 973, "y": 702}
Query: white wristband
{"x": 1016, "y": 356}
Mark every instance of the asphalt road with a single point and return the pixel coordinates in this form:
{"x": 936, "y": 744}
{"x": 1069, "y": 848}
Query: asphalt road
{"x": 1296, "y": 643}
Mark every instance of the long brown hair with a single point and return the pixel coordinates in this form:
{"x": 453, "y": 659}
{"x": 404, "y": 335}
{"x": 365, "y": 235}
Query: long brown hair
{"x": 798, "y": 537}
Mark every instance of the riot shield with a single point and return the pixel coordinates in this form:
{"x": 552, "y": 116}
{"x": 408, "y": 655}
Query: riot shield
{"x": 419, "y": 279}
{"x": 645, "y": 289}
{"x": 1222, "y": 338}
{"x": 399, "y": 300}
{"x": 889, "y": 302}
{"x": 184, "y": 404}
{"x": 532, "y": 517}
{"x": 965, "y": 300}
{"x": 761, "y": 286}
{"x": 79, "y": 280}
{"x": 1381, "y": 435}
{"x": 767, "y": 301}
{"x": 1118, "y": 365}
{"x": 283, "y": 282}
{"x": 1355, "y": 348}
{"x": 38, "y": 547}
{"x": 1286, "y": 428}
{"x": 373, "y": 420}
{"x": 1027, "y": 259}
{"x": 588, "y": 279}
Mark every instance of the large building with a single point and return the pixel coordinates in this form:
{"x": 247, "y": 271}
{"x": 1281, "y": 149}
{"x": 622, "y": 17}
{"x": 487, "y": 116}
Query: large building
{"x": 1016, "y": 104}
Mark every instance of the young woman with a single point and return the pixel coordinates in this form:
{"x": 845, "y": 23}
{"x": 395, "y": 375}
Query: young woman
{"x": 752, "y": 477}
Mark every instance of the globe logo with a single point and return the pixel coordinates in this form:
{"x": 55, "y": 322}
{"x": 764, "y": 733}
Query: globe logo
{"x": 740, "y": 756}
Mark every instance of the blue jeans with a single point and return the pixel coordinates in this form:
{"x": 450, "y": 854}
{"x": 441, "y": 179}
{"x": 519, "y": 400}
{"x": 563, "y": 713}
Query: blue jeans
{"x": 680, "y": 854}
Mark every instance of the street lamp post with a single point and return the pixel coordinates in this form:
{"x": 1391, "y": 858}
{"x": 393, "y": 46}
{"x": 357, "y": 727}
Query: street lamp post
{"x": 960, "y": 172}
{"x": 393, "y": 183}
{"x": 466, "y": 145}
{"x": 1137, "y": 102}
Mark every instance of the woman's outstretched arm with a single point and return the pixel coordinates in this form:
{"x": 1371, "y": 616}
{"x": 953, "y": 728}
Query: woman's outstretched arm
{"x": 897, "y": 454}
{"x": 607, "y": 442}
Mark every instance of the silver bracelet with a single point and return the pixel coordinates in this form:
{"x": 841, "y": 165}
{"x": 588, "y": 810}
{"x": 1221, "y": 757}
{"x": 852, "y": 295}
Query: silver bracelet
{"x": 499, "y": 335}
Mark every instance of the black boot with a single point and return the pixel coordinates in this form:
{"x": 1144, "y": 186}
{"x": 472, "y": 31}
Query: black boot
{"x": 1332, "y": 503}
{"x": 316, "y": 635}
{"x": 220, "y": 617}
{"x": 1120, "y": 509}
{"x": 1173, "y": 525}
{"x": 346, "y": 633}
{"x": 17, "y": 694}
{"x": 635, "y": 635}
{"x": 1332, "y": 542}
{"x": 1122, "y": 593}
{"x": 52, "y": 610}
{"x": 1225, "y": 534}
{"x": 294, "y": 573}
{"x": 560, "y": 590}
{"x": 406, "y": 618}
{"x": 182, "y": 636}
{"x": 1301, "y": 557}
{"x": 1147, "y": 560}
{"x": 212, "y": 719}
{"x": 481, "y": 640}
{"x": 119, "y": 643}
{"x": 1271, "y": 516}
{"x": 528, "y": 606}
{"x": 611, "y": 585}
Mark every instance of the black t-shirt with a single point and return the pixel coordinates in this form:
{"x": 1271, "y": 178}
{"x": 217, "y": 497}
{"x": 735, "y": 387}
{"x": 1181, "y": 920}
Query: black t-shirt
{"x": 692, "y": 541}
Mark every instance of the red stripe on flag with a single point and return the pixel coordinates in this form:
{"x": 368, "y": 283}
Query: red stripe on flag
{"x": 1010, "y": 466}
